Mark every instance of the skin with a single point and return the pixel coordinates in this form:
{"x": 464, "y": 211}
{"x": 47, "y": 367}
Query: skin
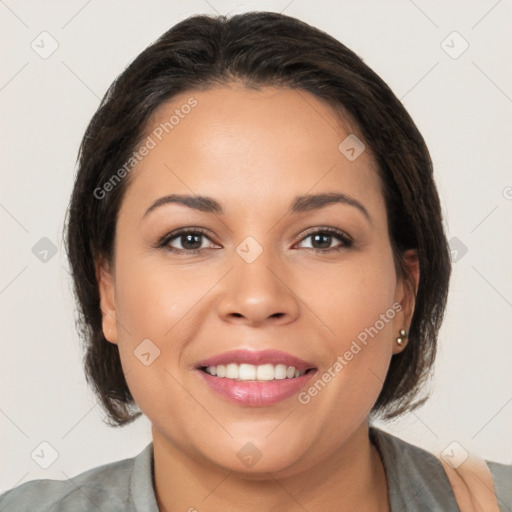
{"x": 254, "y": 152}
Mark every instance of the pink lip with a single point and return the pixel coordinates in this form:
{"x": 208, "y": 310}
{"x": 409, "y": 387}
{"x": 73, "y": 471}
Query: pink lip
{"x": 257, "y": 358}
{"x": 256, "y": 393}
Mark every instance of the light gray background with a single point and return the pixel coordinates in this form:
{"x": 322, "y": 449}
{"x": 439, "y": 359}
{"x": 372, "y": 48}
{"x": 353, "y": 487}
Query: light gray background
{"x": 462, "y": 106}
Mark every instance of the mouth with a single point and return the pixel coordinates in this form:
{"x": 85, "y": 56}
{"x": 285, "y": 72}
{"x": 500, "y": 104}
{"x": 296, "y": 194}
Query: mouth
{"x": 255, "y": 378}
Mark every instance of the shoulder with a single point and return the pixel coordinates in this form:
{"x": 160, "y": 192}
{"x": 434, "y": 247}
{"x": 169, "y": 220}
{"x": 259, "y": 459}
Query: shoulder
{"x": 416, "y": 478}
{"x": 418, "y": 481}
{"x": 502, "y": 480}
{"x": 107, "y": 488}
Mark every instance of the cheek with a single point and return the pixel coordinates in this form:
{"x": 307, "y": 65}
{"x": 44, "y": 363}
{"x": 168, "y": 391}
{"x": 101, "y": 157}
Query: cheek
{"x": 157, "y": 316}
{"x": 357, "y": 304}
{"x": 155, "y": 301}
{"x": 352, "y": 297}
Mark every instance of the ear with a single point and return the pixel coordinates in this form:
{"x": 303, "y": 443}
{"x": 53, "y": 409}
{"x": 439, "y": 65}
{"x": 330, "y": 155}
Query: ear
{"x": 406, "y": 292}
{"x": 106, "y": 286}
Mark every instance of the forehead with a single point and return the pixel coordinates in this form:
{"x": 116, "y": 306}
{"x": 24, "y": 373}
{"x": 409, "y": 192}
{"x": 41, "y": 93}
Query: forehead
{"x": 232, "y": 142}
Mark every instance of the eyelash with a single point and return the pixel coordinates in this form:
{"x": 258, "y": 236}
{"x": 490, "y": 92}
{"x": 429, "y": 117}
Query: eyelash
{"x": 346, "y": 241}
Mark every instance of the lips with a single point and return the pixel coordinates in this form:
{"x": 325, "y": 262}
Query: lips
{"x": 257, "y": 358}
{"x": 255, "y": 378}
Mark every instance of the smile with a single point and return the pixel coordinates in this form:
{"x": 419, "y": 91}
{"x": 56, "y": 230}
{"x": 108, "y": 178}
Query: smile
{"x": 255, "y": 378}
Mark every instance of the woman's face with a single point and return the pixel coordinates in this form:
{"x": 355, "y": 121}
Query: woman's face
{"x": 272, "y": 276}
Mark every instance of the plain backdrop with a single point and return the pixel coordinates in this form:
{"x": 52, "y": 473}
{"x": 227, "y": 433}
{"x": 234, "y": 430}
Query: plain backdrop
{"x": 460, "y": 99}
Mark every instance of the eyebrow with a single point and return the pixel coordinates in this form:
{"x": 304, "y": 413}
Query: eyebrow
{"x": 300, "y": 204}
{"x": 201, "y": 203}
{"x": 314, "y": 202}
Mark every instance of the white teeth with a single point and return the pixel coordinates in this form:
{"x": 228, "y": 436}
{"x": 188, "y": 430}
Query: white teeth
{"x": 263, "y": 372}
{"x": 280, "y": 372}
{"x": 232, "y": 371}
{"x": 247, "y": 372}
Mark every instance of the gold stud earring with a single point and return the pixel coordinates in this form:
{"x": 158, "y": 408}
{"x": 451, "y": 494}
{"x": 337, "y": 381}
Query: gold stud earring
{"x": 402, "y": 339}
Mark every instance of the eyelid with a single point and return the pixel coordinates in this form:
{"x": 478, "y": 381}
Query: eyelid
{"x": 166, "y": 239}
{"x": 326, "y": 229}
{"x": 345, "y": 238}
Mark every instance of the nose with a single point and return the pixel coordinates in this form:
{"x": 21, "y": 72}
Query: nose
{"x": 258, "y": 293}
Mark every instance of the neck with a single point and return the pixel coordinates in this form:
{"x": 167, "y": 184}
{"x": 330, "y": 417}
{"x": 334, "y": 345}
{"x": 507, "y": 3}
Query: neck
{"x": 351, "y": 478}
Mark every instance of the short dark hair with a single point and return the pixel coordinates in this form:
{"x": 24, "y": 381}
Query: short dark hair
{"x": 258, "y": 49}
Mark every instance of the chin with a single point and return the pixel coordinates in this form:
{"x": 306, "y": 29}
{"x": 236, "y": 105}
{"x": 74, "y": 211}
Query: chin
{"x": 253, "y": 458}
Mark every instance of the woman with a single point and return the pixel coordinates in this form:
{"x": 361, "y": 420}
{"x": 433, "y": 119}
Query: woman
{"x": 257, "y": 248}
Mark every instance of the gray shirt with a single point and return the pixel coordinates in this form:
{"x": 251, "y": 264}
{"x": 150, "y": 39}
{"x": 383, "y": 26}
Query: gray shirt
{"x": 416, "y": 482}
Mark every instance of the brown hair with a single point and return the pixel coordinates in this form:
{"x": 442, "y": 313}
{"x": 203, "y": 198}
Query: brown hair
{"x": 258, "y": 49}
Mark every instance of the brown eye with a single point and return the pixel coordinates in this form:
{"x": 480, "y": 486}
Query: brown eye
{"x": 185, "y": 241}
{"x": 189, "y": 241}
{"x": 322, "y": 240}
